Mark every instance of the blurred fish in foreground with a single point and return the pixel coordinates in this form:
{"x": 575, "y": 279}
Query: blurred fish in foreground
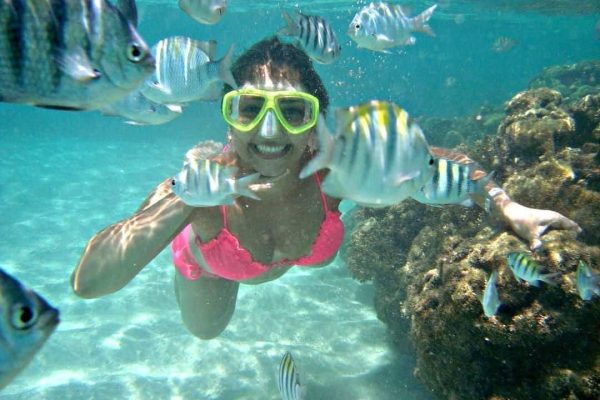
{"x": 27, "y": 321}
{"x": 452, "y": 182}
{"x": 185, "y": 71}
{"x": 524, "y": 268}
{"x": 504, "y": 44}
{"x": 137, "y": 109}
{"x": 69, "y": 54}
{"x": 490, "y": 299}
{"x": 376, "y": 158}
{"x": 202, "y": 183}
{"x": 288, "y": 379}
{"x": 314, "y": 35}
{"x": 380, "y": 26}
{"x": 204, "y": 11}
{"x": 588, "y": 282}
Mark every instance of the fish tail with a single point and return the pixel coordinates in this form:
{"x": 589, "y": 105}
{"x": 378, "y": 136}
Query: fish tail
{"x": 291, "y": 28}
{"x": 323, "y": 157}
{"x": 550, "y": 279}
{"x": 225, "y": 68}
{"x": 242, "y": 186}
{"x": 420, "y": 21}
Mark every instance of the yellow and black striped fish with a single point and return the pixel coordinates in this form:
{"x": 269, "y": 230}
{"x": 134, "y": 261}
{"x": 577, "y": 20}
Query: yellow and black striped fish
{"x": 376, "y": 158}
{"x": 452, "y": 183}
{"x": 524, "y": 268}
{"x": 314, "y": 35}
{"x": 69, "y": 54}
{"x": 288, "y": 379}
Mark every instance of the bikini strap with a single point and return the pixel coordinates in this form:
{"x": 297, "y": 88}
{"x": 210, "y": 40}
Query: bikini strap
{"x": 224, "y": 215}
{"x": 323, "y": 198}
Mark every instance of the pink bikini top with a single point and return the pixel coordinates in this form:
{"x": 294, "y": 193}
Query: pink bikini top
{"x": 227, "y": 259}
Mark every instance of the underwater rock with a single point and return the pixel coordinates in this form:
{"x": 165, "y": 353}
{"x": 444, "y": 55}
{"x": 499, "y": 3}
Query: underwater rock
{"x": 572, "y": 81}
{"x": 430, "y": 265}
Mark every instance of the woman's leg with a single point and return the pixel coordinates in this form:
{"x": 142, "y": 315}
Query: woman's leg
{"x": 206, "y": 304}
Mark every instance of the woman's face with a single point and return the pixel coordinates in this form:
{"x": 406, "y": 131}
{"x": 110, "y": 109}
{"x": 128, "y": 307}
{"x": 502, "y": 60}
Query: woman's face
{"x": 268, "y": 148}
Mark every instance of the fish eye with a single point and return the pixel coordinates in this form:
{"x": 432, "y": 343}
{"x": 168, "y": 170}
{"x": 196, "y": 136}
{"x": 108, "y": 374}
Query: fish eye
{"x": 357, "y": 26}
{"x": 135, "y": 52}
{"x": 173, "y": 182}
{"x": 22, "y": 316}
{"x": 431, "y": 161}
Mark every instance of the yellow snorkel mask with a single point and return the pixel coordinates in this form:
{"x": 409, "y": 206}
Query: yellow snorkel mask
{"x": 296, "y": 111}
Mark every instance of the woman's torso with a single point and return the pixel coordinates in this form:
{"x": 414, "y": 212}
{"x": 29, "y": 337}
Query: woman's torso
{"x": 283, "y": 225}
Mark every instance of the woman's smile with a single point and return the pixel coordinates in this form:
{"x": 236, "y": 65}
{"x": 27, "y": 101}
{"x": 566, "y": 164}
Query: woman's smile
{"x": 270, "y": 151}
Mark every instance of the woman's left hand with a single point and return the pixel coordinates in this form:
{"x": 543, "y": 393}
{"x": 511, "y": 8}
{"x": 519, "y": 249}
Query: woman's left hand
{"x": 531, "y": 223}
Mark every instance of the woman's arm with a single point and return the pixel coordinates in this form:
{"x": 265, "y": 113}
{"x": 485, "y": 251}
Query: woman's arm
{"x": 528, "y": 223}
{"x": 116, "y": 254}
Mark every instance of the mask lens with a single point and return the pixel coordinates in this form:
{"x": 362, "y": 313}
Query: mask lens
{"x": 246, "y": 108}
{"x": 296, "y": 111}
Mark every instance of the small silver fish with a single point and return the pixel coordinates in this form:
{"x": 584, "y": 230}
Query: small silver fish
{"x": 204, "y": 11}
{"x": 27, "y": 321}
{"x": 452, "y": 183}
{"x": 524, "y": 268}
{"x": 314, "y": 35}
{"x": 490, "y": 300}
{"x": 288, "y": 379}
{"x": 137, "y": 109}
{"x": 504, "y": 44}
{"x": 69, "y": 54}
{"x": 185, "y": 70}
{"x": 204, "y": 183}
{"x": 376, "y": 158}
{"x": 380, "y": 26}
{"x": 588, "y": 282}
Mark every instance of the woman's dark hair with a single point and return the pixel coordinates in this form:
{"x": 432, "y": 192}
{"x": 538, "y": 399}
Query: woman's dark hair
{"x": 283, "y": 61}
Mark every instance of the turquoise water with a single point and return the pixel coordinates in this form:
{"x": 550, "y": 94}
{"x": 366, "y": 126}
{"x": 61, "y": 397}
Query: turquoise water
{"x": 67, "y": 175}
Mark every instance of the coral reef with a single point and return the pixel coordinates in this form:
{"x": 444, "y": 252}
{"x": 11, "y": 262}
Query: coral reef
{"x": 430, "y": 264}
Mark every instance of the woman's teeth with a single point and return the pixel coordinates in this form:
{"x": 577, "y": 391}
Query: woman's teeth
{"x": 266, "y": 149}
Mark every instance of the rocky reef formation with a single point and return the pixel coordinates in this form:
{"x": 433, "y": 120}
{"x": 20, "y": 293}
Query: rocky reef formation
{"x": 430, "y": 264}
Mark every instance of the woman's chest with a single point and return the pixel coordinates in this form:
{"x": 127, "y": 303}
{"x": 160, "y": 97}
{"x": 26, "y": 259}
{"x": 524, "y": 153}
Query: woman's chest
{"x": 274, "y": 232}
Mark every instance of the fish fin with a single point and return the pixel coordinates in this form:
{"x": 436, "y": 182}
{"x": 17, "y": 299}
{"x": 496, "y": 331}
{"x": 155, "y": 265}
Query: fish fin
{"x": 225, "y": 68}
{"x": 129, "y": 10}
{"x": 332, "y": 188}
{"x": 175, "y": 108}
{"x": 291, "y": 28}
{"x": 136, "y": 123}
{"x": 242, "y": 186}
{"x": 551, "y": 279}
{"x": 405, "y": 178}
{"x": 59, "y": 108}
{"x": 434, "y": 205}
{"x": 209, "y": 47}
{"x": 420, "y": 21}
{"x": 467, "y": 203}
{"x": 160, "y": 87}
{"x": 323, "y": 157}
{"x": 383, "y": 38}
{"x": 77, "y": 65}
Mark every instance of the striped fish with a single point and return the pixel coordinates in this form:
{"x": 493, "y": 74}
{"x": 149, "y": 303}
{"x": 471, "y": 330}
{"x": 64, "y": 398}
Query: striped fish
{"x": 380, "y": 26}
{"x": 524, "y": 268}
{"x": 452, "y": 183}
{"x": 314, "y": 35}
{"x": 204, "y": 183}
{"x": 26, "y": 322}
{"x": 69, "y": 54}
{"x": 185, "y": 71}
{"x": 588, "y": 282}
{"x": 376, "y": 158}
{"x": 288, "y": 379}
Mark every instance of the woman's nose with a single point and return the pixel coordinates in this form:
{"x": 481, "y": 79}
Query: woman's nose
{"x": 269, "y": 127}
